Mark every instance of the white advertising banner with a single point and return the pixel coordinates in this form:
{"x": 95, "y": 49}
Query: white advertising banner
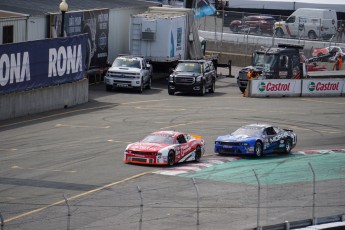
{"x": 322, "y": 87}
{"x": 275, "y": 88}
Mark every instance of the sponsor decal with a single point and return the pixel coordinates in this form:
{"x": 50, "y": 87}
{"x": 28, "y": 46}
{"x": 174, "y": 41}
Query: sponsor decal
{"x": 65, "y": 60}
{"x": 278, "y": 137}
{"x": 320, "y": 86}
{"x": 15, "y": 68}
{"x": 274, "y": 87}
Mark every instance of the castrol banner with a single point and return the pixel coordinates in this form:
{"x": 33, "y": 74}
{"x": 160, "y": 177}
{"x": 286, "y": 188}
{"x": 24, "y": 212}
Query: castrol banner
{"x": 322, "y": 87}
{"x": 275, "y": 87}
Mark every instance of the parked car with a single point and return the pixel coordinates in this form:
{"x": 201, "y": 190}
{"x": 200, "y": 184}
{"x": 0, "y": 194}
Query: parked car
{"x": 165, "y": 148}
{"x": 193, "y": 76}
{"x": 329, "y": 53}
{"x": 256, "y": 140}
{"x": 257, "y": 23}
{"x": 129, "y": 72}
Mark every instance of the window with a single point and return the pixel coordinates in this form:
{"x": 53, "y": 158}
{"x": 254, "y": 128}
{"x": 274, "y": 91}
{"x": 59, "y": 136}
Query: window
{"x": 207, "y": 69}
{"x": 284, "y": 61}
{"x": 7, "y": 34}
{"x": 181, "y": 139}
{"x": 291, "y": 19}
{"x": 270, "y": 131}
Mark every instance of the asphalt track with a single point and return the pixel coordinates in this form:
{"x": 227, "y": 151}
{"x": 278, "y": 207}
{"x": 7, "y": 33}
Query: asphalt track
{"x": 77, "y": 152}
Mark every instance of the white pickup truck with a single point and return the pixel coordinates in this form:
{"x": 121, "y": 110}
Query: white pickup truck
{"x": 129, "y": 72}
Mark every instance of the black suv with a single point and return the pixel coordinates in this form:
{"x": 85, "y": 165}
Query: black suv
{"x": 193, "y": 76}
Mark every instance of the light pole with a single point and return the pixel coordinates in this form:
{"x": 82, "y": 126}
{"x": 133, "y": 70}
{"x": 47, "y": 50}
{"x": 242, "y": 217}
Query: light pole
{"x": 63, "y": 8}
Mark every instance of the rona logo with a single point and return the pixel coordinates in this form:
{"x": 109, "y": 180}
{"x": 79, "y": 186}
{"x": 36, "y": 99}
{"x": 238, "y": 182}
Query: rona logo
{"x": 273, "y": 87}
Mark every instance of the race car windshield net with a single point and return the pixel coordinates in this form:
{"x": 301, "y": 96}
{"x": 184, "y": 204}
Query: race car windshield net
{"x": 126, "y": 63}
{"x": 248, "y": 131}
{"x": 155, "y": 138}
{"x": 188, "y": 67}
{"x": 260, "y": 59}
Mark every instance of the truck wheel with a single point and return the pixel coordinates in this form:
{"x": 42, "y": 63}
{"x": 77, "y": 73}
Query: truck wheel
{"x": 148, "y": 86}
{"x": 108, "y": 87}
{"x": 141, "y": 87}
{"x": 242, "y": 89}
{"x": 279, "y": 32}
{"x": 258, "y": 31}
{"x": 234, "y": 29}
{"x": 213, "y": 87}
{"x": 171, "y": 91}
{"x": 202, "y": 89}
{"x": 312, "y": 35}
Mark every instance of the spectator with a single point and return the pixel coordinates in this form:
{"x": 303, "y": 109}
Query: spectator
{"x": 341, "y": 30}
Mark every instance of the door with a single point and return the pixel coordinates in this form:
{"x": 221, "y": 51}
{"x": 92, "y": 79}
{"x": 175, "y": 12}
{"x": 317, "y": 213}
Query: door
{"x": 183, "y": 145}
{"x": 272, "y": 138}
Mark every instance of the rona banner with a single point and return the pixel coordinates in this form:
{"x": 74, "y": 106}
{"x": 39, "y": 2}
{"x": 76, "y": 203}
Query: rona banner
{"x": 41, "y": 63}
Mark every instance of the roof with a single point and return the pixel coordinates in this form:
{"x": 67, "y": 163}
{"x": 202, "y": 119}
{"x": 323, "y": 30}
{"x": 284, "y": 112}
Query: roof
{"x": 43, "y": 7}
{"x": 259, "y": 125}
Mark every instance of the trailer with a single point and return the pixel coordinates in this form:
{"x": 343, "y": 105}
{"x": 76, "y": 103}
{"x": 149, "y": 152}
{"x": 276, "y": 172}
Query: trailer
{"x": 165, "y": 35}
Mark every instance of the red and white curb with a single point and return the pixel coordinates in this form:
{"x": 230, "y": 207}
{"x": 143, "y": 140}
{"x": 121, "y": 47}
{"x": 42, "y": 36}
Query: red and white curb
{"x": 320, "y": 151}
{"x": 193, "y": 167}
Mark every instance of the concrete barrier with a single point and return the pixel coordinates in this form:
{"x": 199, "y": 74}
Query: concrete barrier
{"x": 296, "y": 88}
{"x": 43, "y": 99}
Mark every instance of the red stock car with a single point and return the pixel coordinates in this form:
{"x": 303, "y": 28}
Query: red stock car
{"x": 329, "y": 53}
{"x": 165, "y": 148}
{"x": 257, "y": 23}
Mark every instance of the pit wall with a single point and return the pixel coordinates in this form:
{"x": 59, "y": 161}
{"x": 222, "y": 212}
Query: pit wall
{"x": 43, "y": 99}
{"x": 296, "y": 88}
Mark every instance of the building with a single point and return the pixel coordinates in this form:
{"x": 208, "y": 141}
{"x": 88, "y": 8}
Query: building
{"x": 22, "y": 21}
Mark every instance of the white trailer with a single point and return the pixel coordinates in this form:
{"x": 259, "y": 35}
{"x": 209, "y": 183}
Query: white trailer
{"x": 165, "y": 35}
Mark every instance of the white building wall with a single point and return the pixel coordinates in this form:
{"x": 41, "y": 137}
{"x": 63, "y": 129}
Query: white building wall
{"x": 19, "y": 28}
{"x": 37, "y": 28}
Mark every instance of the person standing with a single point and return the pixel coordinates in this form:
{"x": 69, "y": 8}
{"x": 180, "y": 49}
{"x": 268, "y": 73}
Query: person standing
{"x": 251, "y": 75}
{"x": 338, "y": 65}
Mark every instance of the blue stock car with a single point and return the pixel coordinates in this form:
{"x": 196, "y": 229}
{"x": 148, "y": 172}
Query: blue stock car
{"x": 256, "y": 139}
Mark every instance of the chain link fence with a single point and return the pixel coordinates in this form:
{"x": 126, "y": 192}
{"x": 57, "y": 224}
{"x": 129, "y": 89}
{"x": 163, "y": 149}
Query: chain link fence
{"x": 241, "y": 195}
{"x": 236, "y": 35}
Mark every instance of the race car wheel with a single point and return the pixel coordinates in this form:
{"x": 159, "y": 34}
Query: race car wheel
{"x": 171, "y": 158}
{"x": 258, "y": 149}
{"x": 288, "y": 146}
{"x": 197, "y": 154}
{"x": 213, "y": 87}
{"x": 202, "y": 89}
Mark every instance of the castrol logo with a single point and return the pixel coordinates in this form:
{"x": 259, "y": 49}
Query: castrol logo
{"x": 274, "y": 87}
{"x": 323, "y": 86}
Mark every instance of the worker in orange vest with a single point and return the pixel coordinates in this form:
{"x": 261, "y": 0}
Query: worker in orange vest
{"x": 338, "y": 65}
{"x": 251, "y": 75}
